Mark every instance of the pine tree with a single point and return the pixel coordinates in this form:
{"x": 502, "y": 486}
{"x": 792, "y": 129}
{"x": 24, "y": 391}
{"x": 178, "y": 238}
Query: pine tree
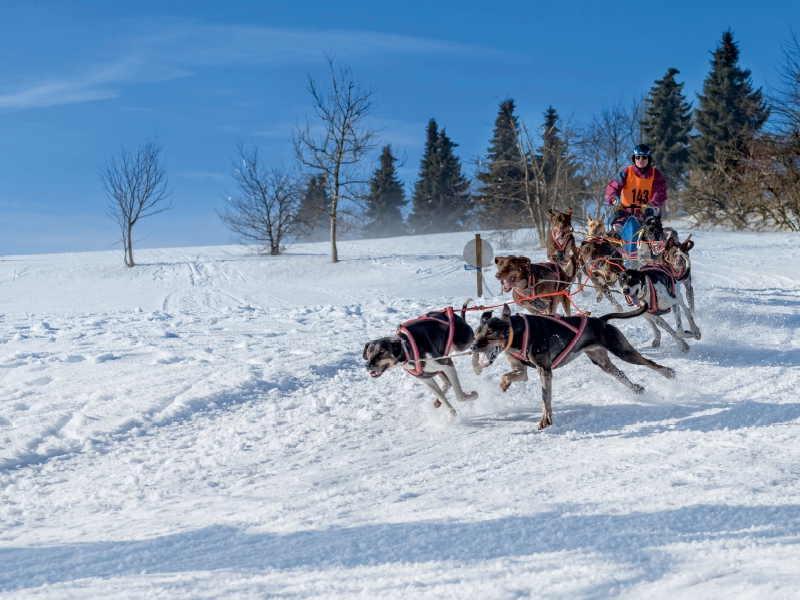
{"x": 440, "y": 201}
{"x": 559, "y": 173}
{"x": 386, "y": 198}
{"x": 667, "y": 123}
{"x": 315, "y": 207}
{"x": 731, "y": 112}
{"x": 501, "y": 179}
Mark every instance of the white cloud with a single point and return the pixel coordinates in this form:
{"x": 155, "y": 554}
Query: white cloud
{"x": 164, "y": 49}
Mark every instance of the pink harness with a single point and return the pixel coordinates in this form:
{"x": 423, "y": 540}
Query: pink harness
{"x": 653, "y": 297}
{"x": 531, "y": 289}
{"x": 414, "y": 355}
{"x": 525, "y": 337}
{"x": 561, "y": 247}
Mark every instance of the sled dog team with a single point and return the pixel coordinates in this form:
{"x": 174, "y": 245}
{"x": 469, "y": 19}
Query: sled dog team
{"x": 545, "y": 340}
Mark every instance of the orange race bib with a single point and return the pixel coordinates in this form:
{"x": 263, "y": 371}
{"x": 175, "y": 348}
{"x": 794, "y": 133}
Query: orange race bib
{"x": 638, "y": 191}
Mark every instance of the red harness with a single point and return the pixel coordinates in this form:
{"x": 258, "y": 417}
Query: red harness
{"x": 414, "y": 354}
{"x": 653, "y": 297}
{"x": 531, "y": 289}
{"x": 561, "y": 247}
{"x": 525, "y": 338}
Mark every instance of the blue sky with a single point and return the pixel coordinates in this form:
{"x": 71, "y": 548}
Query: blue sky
{"x": 79, "y": 79}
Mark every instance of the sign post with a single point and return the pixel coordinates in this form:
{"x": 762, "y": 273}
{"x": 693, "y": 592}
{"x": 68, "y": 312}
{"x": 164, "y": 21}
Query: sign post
{"x": 479, "y": 257}
{"x": 478, "y": 254}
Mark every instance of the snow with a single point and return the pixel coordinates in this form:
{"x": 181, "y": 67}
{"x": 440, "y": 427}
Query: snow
{"x": 202, "y": 425}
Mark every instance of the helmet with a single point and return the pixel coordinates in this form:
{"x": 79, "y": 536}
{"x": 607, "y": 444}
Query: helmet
{"x": 642, "y": 150}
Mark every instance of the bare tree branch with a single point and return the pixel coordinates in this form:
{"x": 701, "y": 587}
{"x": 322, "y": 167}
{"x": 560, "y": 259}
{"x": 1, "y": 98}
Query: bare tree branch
{"x": 337, "y": 153}
{"x": 136, "y": 187}
{"x": 266, "y": 208}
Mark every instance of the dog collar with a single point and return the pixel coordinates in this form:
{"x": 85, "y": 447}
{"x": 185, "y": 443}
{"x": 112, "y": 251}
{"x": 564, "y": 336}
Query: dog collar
{"x": 510, "y": 337}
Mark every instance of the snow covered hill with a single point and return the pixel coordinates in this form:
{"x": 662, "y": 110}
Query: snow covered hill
{"x": 202, "y": 425}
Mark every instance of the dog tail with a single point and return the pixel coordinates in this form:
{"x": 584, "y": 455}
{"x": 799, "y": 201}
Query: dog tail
{"x": 625, "y": 315}
{"x": 464, "y": 307}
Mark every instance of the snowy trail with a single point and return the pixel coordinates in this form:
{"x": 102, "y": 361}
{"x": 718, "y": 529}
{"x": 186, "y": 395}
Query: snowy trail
{"x": 202, "y": 425}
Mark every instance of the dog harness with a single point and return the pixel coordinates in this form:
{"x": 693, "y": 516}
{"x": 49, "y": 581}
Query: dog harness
{"x": 653, "y": 296}
{"x": 529, "y": 291}
{"x": 561, "y": 246}
{"x": 677, "y": 272}
{"x": 526, "y": 335}
{"x": 412, "y": 355}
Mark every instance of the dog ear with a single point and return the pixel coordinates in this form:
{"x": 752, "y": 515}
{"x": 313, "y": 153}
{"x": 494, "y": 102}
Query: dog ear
{"x": 486, "y": 316}
{"x": 364, "y": 356}
{"x": 525, "y": 260}
{"x": 497, "y": 260}
{"x": 588, "y": 216}
{"x": 670, "y": 244}
{"x": 550, "y": 210}
{"x": 570, "y": 211}
{"x": 687, "y": 244}
{"x": 506, "y": 313}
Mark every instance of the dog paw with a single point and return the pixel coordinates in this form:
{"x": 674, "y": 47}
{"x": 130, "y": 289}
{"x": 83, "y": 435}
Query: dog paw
{"x": 637, "y": 389}
{"x": 477, "y": 369}
{"x": 684, "y": 346}
{"x": 545, "y": 422}
{"x": 656, "y": 343}
{"x": 670, "y": 373}
{"x": 468, "y": 396}
{"x": 437, "y": 403}
{"x": 453, "y": 412}
{"x": 697, "y": 335}
{"x": 504, "y": 385}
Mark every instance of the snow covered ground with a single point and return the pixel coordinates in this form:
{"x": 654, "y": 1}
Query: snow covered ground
{"x": 202, "y": 426}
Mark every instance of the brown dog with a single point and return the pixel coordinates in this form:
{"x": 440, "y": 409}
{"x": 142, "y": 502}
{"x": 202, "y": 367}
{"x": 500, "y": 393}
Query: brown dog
{"x": 561, "y": 248}
{"x": 676, "y": 259}
{"x": 602, "y": 263}
{"x": 520, "y": 276}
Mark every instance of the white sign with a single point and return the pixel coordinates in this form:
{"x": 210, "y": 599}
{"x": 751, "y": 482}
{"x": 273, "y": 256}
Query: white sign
{"x": 470, "y": 255}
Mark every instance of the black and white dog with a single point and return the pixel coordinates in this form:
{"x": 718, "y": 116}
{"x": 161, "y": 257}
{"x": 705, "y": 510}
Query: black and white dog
{"x": 654, "y": 238}
{"x": 548, "y": 342}
{"x": 654, "y": 289}
{"x": 421, "y": 346}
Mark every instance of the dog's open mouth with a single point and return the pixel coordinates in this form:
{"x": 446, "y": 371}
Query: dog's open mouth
{"x": 379, "y": 371}
{"x": 487, "y": 358}
{"x": 508, "y": 283}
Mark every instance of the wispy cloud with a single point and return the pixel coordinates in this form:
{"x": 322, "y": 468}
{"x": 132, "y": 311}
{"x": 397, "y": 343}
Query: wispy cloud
{"x": 165, "y": 49}
{"x": 205, "y": 176}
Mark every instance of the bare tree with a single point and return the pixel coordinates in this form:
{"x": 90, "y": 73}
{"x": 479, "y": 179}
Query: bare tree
{"x": 345, "y": 140}
{"x": 785, "y": 98}
{"x": 136, "y": 187}
{"x": 266, "y": 207}
{"x": 606, "y": 144}
{"x": 548, "y": 175}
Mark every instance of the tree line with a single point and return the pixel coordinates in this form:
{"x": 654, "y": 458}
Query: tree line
{"x": 733, "y": 159}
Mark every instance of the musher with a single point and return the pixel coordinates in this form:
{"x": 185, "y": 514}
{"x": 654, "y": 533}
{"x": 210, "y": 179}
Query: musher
{"x": 635, "y": 188}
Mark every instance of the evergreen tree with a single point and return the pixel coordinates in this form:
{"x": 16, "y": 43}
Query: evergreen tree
{"x": 386, "y": 197}
{"x": 731, "y": 112}
{"x": 558, "y": 170}
{"x": 667, "y": 123}
{"x": 315, "y": 209}
{"x": 441, "y": 201}
{"x": 501, "y": 180}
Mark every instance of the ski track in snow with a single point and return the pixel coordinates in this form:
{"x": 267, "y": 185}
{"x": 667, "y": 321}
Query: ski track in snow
{"x": 202, "y": 425}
